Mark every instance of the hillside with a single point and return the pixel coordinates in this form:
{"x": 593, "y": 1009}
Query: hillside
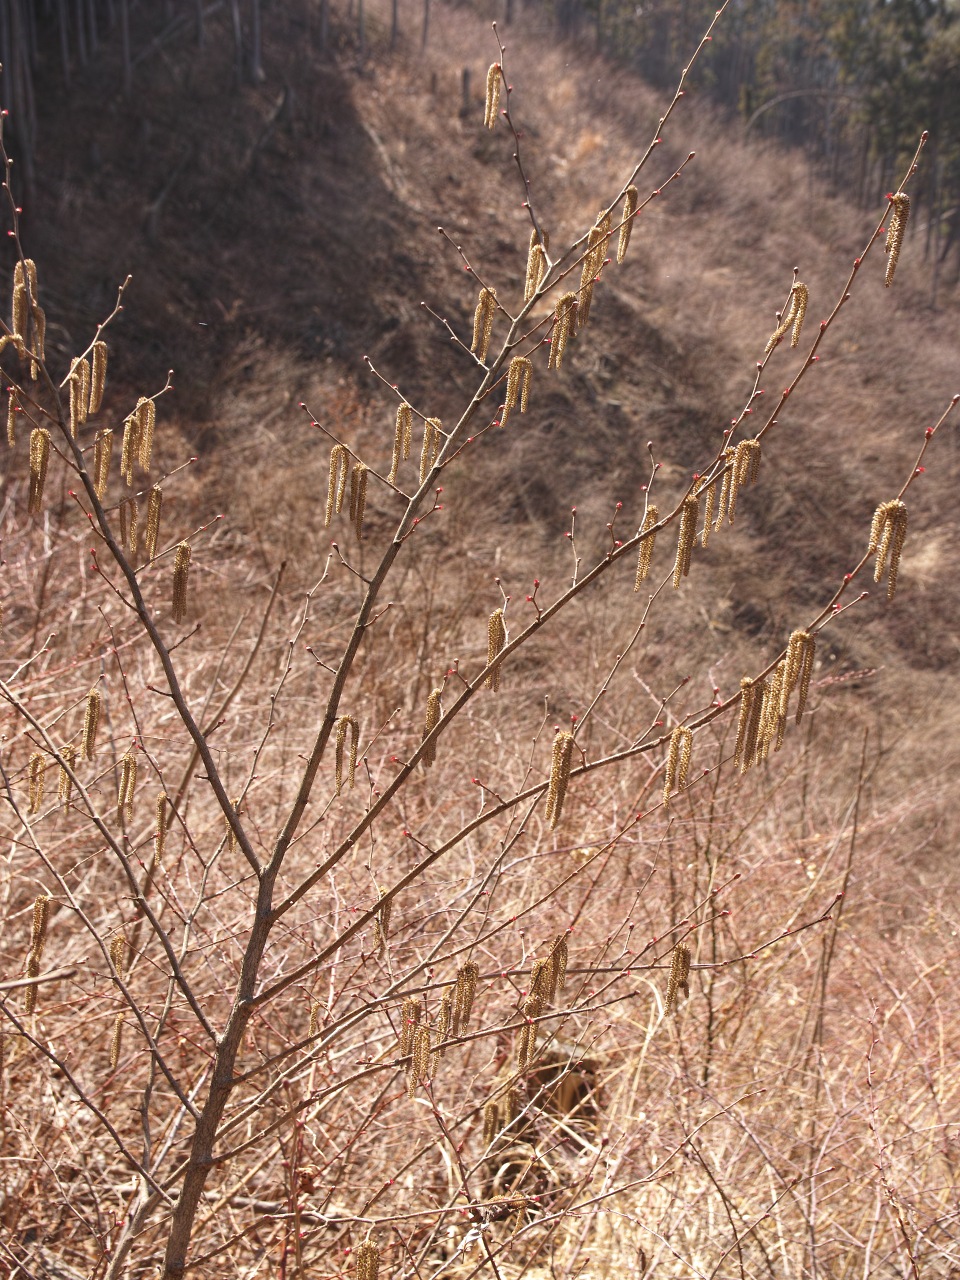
{"x": 312, "y": 963}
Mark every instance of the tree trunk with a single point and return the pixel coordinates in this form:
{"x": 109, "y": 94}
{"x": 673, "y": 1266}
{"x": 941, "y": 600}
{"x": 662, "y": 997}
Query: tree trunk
{"x": 426, "y": 25}
{"x": 256, "y": 40}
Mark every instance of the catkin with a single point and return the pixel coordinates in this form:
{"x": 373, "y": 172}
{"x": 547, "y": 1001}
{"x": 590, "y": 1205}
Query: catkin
{"x": 518, "y": 386}
{"x": 13, "y": 408}
{"x": 129, "y": 524}
{"x": 463, "y": 996}
{"x": 20, "y": 311}
{"x": 887, "y": 536}
{"x": 444, "y": 1017}
{"x": 558, "y": 961}
{"x": 744, "y": 471}
{"x": 536, "y": 264}
{"x": 748, "y": 692}
{"x": 39, "y": 460}
{"x": 496, "y": 639}
{"x": 115, "y": 1041}
{"x": 801, "y": 651}
{"x": 492, "y": 105}
{"x": 559, "y": 775}
{"x": 483, "y": 322}
{"x": 729, "y": 454}
{"x": 181, "y": 570}
{"x": 91, "y": 722}
{"x": 592, "y": 263}
{"x": 358, "y": 497}
{"x": 491, "y": 1122}
{"x": 36, "y": 770}
{"x": 146, "y": 412}
{"x": 38, "y": 936}
{"x": 160, "y": 834}
{"x": 68, "y": 759}
{"x": 432, "y": 719}
{"x": 127, "y": 787}
{"x": 102, "y": 449}
{"x": 420, "y": 1054}
{"x": 679, "y": 981}
{"x": 98, "y": 377}
{"x": 432, "y": 430}
{"x": 678, "y": 762}
{"x": 118, "y": 953}
{"x": 154, "y": 507}
{"x": 630, "y": 201}
{"x": 79, "y": 379}
{"x": 791, "y": 318}
{"x": 527, "y": 1043}
{"x": 409, "y": 1021}
{"x": 381, "y": 923}
{"x": 562, "y": 326}
{"x": 403, "y": 433}
{"x": 645, "y": 557}
{"x": 339, "y": 462}
{"x": 689, "y": 516}
{"x": 899, "y": 213}
{"x": 130, "y": 449}
{"x": 772, "y": 720}
{"x": 368, "y": 1261}
{"x": 346, "y": 727}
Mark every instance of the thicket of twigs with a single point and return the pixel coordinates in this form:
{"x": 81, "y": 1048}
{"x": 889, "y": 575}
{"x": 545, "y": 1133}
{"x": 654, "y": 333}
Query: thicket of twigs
{"x": 406, "y": 924}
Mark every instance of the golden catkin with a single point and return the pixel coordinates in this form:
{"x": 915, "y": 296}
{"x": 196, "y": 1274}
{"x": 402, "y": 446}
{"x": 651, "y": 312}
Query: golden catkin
{"x": 527, "y": 1043}
{"x": 315, "y": 1011}
{"x": 559, "y": 775}
{"x": 492, "y": 104}
{"x": 540, "y": 982}
{"x": 38, "y": 935}
{"x": 368, "y": 1261}
{"x": 130, "y": 449}
{"x": 115, "y": 1040}
{"x": 689, "y": 517}
{"x": 444, "y": 1017}
{"x": 630, "y": 201}
{"x": 339, "y": 462}
{"x": 91, "y": 722}
{"x": 160, "y": 833}
{"x": 678, "y": 762}
{"x": 748, "y": 693}
{"x": 679, "y": 981}
{"x": 181, "y": 571}
{"x": 511, "y": 1105}
{"x": 118, "y": 953}
{"x": 13, "y": 408}
{"x": 558, "y": 960}
{"x": 98, "y": 377}
{"x": 346, "y": 727}
{"x": 483, "y": 322}
{"x": 791, "y": 318}
{"x": 645, "y": 557}
{"x": 729, "y": 454}
{"x": 39, "y": 340}
{"x": 68, "y": 760}
{"x": 36, "y": 770}
{"x": 536, "y": 265}
{"x": 154, "y": 508}
{"x": 358, "y": 497}
{"x": 496, "y": 639}
{"x": 432, "y": 719}
{"x": 709, "y": 491}
{"x": 20, "y": 311}
{"x": 745, "y": 471}
{"x": 773, "y": 722}
{"x": 420, "y": 1054}
{"x": 802, "y": 295}
{"x": 562, "y": 328}
{"x": 798, "y": 669}
{"x": 146, "y": 412}
{"x": 39, "y": 460}
{"x": 592, "y": 263}
{"x": 899, "y": 213}
{"x": 887, "y": 537}
{"x": 518, "y": 386}
{"x": 432, "y": 431}
{"x": 128, "y": 785}
{"x": 129, "y": 524}
{"x": 381, "y": 923}
{"x": 491, "y": 1122}
{"x": 77, "y": 403}
{"x": 409, "y": 1021}
{"x": 463, "y": 996}
{"x": 102, "y": 449}
{"x": 403, "y": 433}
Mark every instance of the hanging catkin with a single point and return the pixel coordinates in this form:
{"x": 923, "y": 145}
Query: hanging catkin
{"x": 403, "y": 433}
{"x": 492, "y": 104}
{"x": 899, "y": 213}
{"x": 154, "y": 507}
{"x": 98, "y": 376}
{"x": 91, "y": 721}
{"x": 39, "y": 460}
{"x": 346, "y": 727}
{"x": 431, "y": 720}
{"x": 102, "y": 449}
{"x": 559, "y": 775}
{"x": 146, "y": 414}
{"x": 678, "y": 762}
{"x": 432, "y": 430}
{"x": 68, "y": 760}
{"x": 678, "y": 983}
{"x": 518, "y": 386}
{"x": 887, "y": 535}
{"x": 562, "y": 327}
{"x": 13, "y": 408}
{"x": 368, "y": 1261}
{"x": 689, "y": 515}
{"x": 339, "y": 462}
{"x": 115, "y": 1040}
{"x": 160, "y": 833}
{"x": 496, "y": 639}
{"x": 645, "y": 557}
{"x": 630, "y": 201}
{"x": 358, "y": 497}
{"x": 127, "y": 787}
{"x": 464, "y": 994}
{"x": 38, "y": 936}
{"x": 35, "y": 772}
{"x": 181, "y": 571}
{"x": 536, "y": 264}
{"x": 483, "y": 322}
